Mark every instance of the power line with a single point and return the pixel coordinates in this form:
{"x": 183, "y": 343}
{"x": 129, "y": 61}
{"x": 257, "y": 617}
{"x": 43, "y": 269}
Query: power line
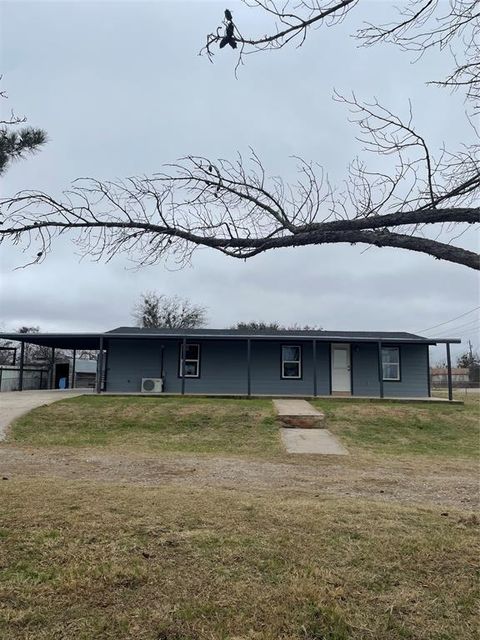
{"x": 448, "y": 321}
{"x": 472, "y": 325}
{"x": 464, "y": 334}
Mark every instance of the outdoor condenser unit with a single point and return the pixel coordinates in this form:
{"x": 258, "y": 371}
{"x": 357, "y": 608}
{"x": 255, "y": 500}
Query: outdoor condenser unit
{"x": 152, "y": 385}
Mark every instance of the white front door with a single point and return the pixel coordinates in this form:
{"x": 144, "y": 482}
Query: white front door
{"x": 341, "y": 379}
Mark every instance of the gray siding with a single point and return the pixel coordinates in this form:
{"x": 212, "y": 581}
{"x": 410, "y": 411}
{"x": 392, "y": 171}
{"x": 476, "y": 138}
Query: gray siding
{"x": 365, "y": 369}
{"x": 266, "y": 369}
{"x": 223, "y": 368}
{"x": 413, "y": 371}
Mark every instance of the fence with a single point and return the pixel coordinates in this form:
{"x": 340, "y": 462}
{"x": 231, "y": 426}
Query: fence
{"x": 32, "y": 379}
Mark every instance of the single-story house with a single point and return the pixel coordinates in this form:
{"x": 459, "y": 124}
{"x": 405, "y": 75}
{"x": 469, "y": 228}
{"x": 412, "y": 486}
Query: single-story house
{"x": 239, "y": 362}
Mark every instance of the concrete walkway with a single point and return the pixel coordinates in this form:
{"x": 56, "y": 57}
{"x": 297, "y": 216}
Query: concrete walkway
{"x": 319, "y": 441}
{"x": 298, "y": 414}
{"x": 13, "y": 404}
{"x": 289, "y": 407}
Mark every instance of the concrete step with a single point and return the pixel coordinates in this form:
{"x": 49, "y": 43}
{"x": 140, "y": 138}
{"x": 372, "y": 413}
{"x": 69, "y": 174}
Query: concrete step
{"x": 299, "y": 414}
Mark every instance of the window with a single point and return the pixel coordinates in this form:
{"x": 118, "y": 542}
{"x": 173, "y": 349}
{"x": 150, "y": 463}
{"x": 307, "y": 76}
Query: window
{"x": 391, "y": 363}
{"x": 192, "y": 361}
{"x": 291, "y": 362}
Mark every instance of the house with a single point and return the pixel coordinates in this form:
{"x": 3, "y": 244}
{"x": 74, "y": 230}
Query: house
{"x": 439, "y": 376}
{"x": 239, "y": 362}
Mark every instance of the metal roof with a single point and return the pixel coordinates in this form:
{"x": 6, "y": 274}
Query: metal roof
{"x": 268, "y": 333}
{"x": 91, "y": 340}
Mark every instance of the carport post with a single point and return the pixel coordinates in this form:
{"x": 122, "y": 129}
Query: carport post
{"x": 52, "y": 369}
{"x": 22, "y": 358}
{"x": 100, "y": 366}
{"x": 72, "y": 384}
{"x": 380, "y": 369}
{"x": 249, "y": 368}
{"x": 449, "y": 372}
{"x": 184, "y": 354}
{"x": 314, "y": 357}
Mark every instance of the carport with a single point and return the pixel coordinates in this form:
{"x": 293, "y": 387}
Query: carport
{"x": 67, "y": 342}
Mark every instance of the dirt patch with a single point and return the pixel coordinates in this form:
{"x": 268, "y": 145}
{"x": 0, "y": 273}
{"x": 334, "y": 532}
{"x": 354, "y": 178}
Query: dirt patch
{"x": 437, "y": 483}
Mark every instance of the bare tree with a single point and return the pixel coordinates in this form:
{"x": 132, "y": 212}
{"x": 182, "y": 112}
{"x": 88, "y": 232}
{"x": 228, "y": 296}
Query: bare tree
{"x": 35, "y": 354}
{"x": 274, "y": 326}
{"x": 422, "y": 25}
{"x": 172, "y": 312}
{"x": 292, "y": 20}
{"x": 413, "y": 196}
{"x": 417, "y": 26}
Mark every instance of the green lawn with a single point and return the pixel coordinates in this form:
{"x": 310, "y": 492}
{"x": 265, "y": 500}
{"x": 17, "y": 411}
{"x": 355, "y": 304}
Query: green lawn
{"x": 247, "y": 427}
{"x": 89, "y": 561}
{"x": 394, "y": 428}
{"x": 196, "y": 425}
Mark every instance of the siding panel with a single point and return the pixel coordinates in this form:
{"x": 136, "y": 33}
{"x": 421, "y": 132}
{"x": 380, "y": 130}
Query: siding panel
{"x": 413, "y": 371}
{"x": 223, "y": 368}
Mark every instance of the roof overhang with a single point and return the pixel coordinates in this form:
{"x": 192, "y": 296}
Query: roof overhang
{"x": 92, "y": 340}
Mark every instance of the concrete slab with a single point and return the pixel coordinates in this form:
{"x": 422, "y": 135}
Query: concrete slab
{"x": 14, "y": 404}
{"x": 288, "y": 407}
{"x": 317, "y": 441}
{"x": 299, "y": 414}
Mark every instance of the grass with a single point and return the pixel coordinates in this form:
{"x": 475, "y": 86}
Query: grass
{"x": 86, "y": 561}
{"x": 190, "y": 425}
{"x": 98, "y": 560}
{"x": 247, "y": 427}
{"x": 390, "y": 428}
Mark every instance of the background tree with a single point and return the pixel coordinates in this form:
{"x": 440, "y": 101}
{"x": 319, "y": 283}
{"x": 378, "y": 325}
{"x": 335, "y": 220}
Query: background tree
{"x": 415, "y": 197}
{"x": 274, "y": 326}
{"x": 470, "y": 360}
{"x": 34, "y": 355}
{"x": 172, "y": 312}
{"x": 17, "y": 143}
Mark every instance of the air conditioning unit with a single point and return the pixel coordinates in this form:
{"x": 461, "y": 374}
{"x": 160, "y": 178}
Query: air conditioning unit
{"x": 152, "y": 385}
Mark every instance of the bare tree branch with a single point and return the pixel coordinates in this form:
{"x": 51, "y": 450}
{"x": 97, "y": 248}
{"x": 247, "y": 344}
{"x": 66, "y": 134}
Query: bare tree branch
{"x": 419, "y": 25}
{"x": 234, "y": 208}
{"x": 290, "y": 25}
{"x": 409, "y": 196}
{"x": 425, "y": 24}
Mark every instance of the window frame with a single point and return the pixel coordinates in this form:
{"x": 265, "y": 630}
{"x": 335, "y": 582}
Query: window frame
{"x": 197, "y": 360}
{"x": 299, "y": 362}
{"x": 398, "y": 363}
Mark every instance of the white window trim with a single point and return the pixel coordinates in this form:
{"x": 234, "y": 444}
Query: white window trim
{"x": 397, "y": 363}
{"x": 197, "y": 360}
{"x": 299, "y": 362}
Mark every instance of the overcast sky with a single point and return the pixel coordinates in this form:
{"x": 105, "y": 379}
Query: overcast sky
{"x": 120, "y": 90}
